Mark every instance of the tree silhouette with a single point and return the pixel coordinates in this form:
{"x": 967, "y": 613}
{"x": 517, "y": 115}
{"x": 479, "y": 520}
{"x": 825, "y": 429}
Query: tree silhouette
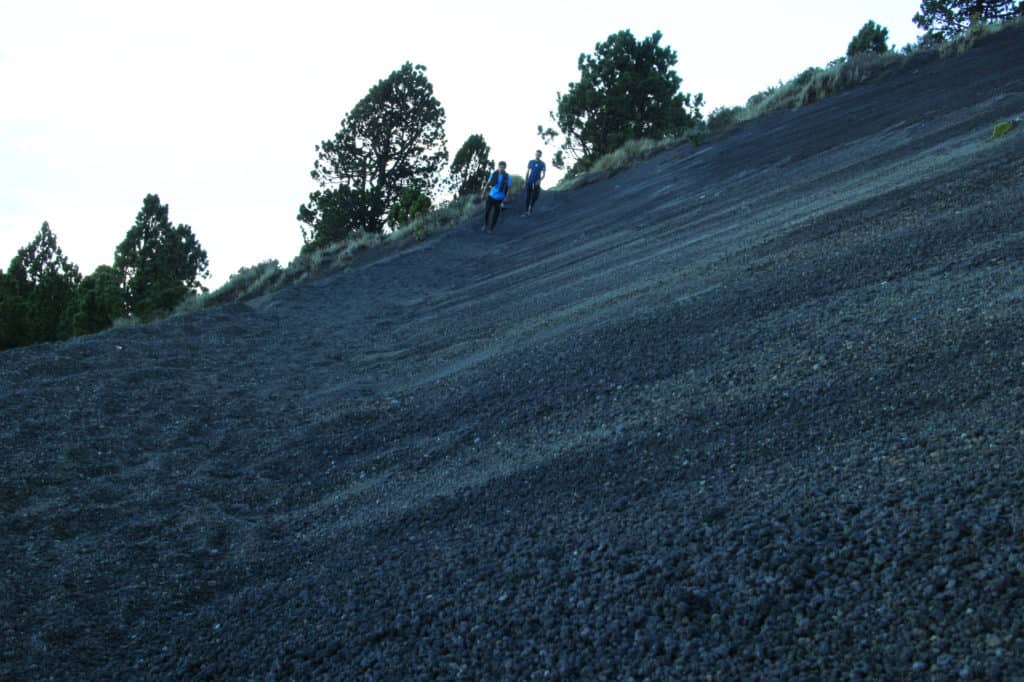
{"x": 100, "y": 301}
{"x": 871, "y": 38}
{"x": 158, "y": 264}
{"x": 392, "y": 141}
{"x": 950, "y": 18}
{"x": 627, "y": 90}
{"x": 471, "y": 166}
{"x": 45, "y": 281}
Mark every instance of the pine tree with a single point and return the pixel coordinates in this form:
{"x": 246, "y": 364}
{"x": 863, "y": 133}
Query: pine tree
{"x": 41, "y": 287}
{"x": 871, "y": 38}
{"x": 471, "y": 166}
{"x": 627, "y": 90}
{"x": 391, "y": 142}
{"x": 950, "y": 18}
{"x": 158, "y": 265}
{"x": 100, "y": 301}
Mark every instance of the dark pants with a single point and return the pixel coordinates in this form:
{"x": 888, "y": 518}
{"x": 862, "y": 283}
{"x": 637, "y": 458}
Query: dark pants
{"x": 492, "y": 212}
{"x": 532, "y": 192}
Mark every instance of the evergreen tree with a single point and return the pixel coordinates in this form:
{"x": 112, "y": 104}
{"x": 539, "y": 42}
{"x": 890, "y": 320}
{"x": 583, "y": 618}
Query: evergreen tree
{"x": 158, "y": 265}
{"x": 45, "y": 281}
{"x": 871, "y": 38}
{"x": 471, "y": 166}
{"x": 13, "y": 314}
{"x": 99, "y": 302}
{"x": 392, "y": 141}
{"x": 949, "y": 18}
{"x": 627, "y": 90}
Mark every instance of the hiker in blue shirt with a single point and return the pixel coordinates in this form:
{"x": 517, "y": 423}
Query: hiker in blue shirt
{"x": 535, "y": 172}
{"x": 499, "y": 184}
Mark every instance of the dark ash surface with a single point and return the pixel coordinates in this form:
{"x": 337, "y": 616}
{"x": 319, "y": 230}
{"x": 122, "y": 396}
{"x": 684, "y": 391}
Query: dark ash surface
{"x": 747, "y": 410}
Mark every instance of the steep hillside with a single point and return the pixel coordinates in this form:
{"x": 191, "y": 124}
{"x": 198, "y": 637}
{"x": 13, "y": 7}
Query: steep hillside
{"x": 746, "y": 410}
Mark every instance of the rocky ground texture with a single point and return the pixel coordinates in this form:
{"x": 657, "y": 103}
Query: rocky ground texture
{"x": 748, "y": 410}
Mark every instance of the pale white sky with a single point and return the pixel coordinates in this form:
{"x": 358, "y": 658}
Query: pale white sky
{"x": 217, "y": 105}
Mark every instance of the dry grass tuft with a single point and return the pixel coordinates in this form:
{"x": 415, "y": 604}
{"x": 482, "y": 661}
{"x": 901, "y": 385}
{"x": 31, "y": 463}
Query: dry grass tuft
{"x": 815, "y": 83}
{"x": 269, "y": 276}
{"x": 623, "y": 157}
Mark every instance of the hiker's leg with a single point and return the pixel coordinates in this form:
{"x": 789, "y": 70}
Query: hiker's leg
{"x": 487, "y": 212}
{"x": 493, "y": 211}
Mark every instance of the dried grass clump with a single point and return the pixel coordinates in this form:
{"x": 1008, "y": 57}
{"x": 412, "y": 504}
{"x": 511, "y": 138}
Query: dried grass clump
{"x": 269, "y": 276}
{"x": 816, "y": 83}
{"x": 625, "y": 156}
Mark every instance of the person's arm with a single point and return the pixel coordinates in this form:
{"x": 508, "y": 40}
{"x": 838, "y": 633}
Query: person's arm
{"x": 543, "y": 172}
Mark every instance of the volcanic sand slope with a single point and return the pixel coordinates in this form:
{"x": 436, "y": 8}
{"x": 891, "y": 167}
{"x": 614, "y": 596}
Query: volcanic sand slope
{"x": 750, "y": 409}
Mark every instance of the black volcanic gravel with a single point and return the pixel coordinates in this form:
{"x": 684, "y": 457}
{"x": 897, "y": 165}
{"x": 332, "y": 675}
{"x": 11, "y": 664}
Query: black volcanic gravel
{"x": 750, "y": 410}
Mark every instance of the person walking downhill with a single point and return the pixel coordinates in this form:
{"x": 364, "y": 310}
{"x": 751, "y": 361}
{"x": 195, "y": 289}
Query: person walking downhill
{"x": 535, "y": 172}
{"x": 498, "y": 184}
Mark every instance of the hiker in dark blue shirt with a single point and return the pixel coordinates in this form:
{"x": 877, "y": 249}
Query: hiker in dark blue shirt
{"x": 535, "y": 172}
{"x": 495, "y": 191}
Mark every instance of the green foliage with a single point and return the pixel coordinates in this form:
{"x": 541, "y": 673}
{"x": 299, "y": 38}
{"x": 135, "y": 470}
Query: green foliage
{"x": 393, "y": 140}
{"x": 871, "y": 38}
{"x": 45, "y": 281}
{"x": 444, "y": 217}
{"x": 334, "y": 215}
{"x": 950, "y": 18}
{"x": 1002, "y": 128}
{"x": 158, "y": 265}
{"x": 411, "y": 204}
{"x": 723, "y": 118}
{"x": 99, "y": 302}
{"x": 471, "y": 166}
{"x": 627, "y": 90}
{"x": 14, "y": 316}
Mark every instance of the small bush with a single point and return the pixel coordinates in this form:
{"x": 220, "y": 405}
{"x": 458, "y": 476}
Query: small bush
{"x": 723, "y": 119}
{"x": 411, "y": 204}
{"x": 447, "y": 215}
{"x": 518, "y": 182}
{"x": 126, "y": 322}
{"x": 816, "y": 83}
{"x": 1003, "y": 128}
{"x": 246, "y": 283}
{"x": 193, "y": 303}
{"x": 872, "y": 38}
{"x": 625, "y": 156}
